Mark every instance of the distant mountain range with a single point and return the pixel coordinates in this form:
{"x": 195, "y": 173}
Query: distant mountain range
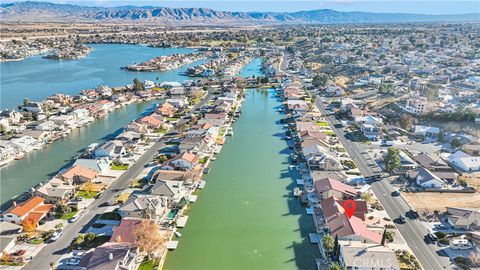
{"x": 50, "y": 12}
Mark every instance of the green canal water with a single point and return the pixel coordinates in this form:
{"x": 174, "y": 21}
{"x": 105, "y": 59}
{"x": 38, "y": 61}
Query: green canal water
{"x": 246, "y": 216}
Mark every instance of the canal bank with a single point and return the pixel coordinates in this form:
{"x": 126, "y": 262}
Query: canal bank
{"x": 247, "y": 216}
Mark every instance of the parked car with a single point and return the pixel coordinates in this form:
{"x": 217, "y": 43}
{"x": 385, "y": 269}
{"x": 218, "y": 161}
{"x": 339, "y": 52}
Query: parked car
{"x": 19, "y": 253}
{"x": 401, "y": 219}
{"x": 73, "y": 261}
{"x": 74, "y": 218}
{"x": 78, "y": 254}
{"x": 56, "y": 235}
{"x": 396, "y": 193}
{"x": 432, "y": 237}
{"x": 412, "y": 214}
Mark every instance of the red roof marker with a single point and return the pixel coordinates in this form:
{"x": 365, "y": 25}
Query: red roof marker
{"x": 350, "y": 206}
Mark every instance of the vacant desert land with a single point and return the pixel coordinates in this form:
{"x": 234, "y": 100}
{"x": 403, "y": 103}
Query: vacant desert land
{"x": 430, "y": 201}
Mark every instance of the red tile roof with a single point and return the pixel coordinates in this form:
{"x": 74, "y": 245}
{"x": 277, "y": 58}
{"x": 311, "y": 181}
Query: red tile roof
{"x": 125, "y": 231}
{"x": 342, "y": 226}
{"x": 80, "y": 171}
{"x": 327, "y": 184}
{"x": 28, "y": 206}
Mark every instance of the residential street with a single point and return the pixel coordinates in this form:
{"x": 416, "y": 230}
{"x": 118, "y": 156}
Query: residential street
{"x": 53, "y": 251}
{"x": 429, "y": 255}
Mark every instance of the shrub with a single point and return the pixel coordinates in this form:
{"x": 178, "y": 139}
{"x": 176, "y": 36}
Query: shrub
{"x": 440, "y": 235}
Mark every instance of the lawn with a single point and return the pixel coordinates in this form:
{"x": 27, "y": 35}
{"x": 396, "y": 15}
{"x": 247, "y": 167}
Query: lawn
{"x": 172, "y": 119}
{"x": 149, "y": 264}
{"x": 86, "y": 194}
{"x": 119, "y": 167}
{"x": 68, "y": 216}
{"x": 110, "y": 216}
{"x": 139, "y": 183}
{"x": 322, "y": 124}
{"x": 328, "y": 132}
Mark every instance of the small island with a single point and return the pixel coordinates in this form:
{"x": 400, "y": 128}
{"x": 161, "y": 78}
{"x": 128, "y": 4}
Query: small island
{"x": 69, "y": 53}
{"x": 166, "y": 62}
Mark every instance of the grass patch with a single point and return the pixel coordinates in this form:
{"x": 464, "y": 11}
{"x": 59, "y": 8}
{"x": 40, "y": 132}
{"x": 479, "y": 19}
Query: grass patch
{"x": 139, "y": 183}
{"x": 328, "y": 132}
{"x": 67, "y": 216}
{"x": 149, "y": 264}
{"x": 110, "y": 216}
{"x": 172, "y": 119}
{"x": 11, "y": 263}
{"x": 86, "y": 194}
{"x": 97, "y": 241}
{"x": 35, "y": 241}
{"x": 203, "y": 160}
{"x": 322, "y": 124}
{"x": 119, "y": 167}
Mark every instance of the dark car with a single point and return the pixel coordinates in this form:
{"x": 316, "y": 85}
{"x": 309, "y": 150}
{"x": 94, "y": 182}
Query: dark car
{"x": 401, "y": 219}
{"x": 396, "y": 193}
{"x": 412, "y": 214}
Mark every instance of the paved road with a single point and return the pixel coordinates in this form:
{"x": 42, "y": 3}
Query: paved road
{"x": 429, "y": 256}
{"x": 53, "y": 251}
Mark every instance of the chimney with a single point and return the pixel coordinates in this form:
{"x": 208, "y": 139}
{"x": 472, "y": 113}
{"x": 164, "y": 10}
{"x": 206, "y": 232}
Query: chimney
{"x": 110, "y": 256}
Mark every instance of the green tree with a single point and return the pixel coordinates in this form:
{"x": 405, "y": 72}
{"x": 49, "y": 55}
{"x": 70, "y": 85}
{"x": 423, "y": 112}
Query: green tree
{"x": 63, "y": 208}
{"x": 138, "y": 85}
{"x": 89, "y": 237}
{"x": 336, "y": 248}
{"x": 335, "y": 266}
{"x": 392, "y": 159}
{"x": 328, "y": 243}
{"x": 456, "y": 142}
{"x": 320, "y": 80}
{"x": 441, "y": 136}
{"x": 384, "y": 236}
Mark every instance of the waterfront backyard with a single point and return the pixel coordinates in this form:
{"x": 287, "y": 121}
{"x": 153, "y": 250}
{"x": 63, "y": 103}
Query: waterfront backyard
{"x": 247, "y": 216}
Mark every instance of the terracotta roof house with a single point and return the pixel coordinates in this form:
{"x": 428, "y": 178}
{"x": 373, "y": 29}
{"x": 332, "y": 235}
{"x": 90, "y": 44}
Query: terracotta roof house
{"x": 78, "y": 174}
{"x": 124, "y": 232}
{"x": 183, "y": 161}
{"x": 151, "y": 121}
{"x": 332, "y": 205}
{"x": 345, "y": 228}
{"x": 328, "y": 187}
{"x": 34, "y": 208}
{"x": 166, "y": 109}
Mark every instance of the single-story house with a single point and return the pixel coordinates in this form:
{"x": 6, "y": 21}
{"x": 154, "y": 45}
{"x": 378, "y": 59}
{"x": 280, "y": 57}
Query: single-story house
{"x": 34, "y": 208}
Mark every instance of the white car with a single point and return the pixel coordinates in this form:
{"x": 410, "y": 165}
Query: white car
{"x": 74, "y": 218}
{"x": 78, "y": 254}
{"x": 73, "y": 261}
{"x": 55, "y": 236}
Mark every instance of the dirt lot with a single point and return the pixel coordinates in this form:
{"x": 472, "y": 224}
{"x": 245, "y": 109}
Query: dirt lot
{"x": 430, "y": 201}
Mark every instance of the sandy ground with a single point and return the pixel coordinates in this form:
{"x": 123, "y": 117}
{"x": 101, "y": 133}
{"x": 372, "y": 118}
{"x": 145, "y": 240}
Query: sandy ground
{"x": 438, "y": 201}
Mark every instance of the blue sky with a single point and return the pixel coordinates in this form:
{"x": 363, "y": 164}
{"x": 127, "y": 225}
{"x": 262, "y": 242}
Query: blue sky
{"x": 409, "y": 6}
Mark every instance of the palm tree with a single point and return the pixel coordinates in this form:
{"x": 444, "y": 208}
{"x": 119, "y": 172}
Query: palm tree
{"x": 335, "y": 266}
{"x": 328, "y": 243}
